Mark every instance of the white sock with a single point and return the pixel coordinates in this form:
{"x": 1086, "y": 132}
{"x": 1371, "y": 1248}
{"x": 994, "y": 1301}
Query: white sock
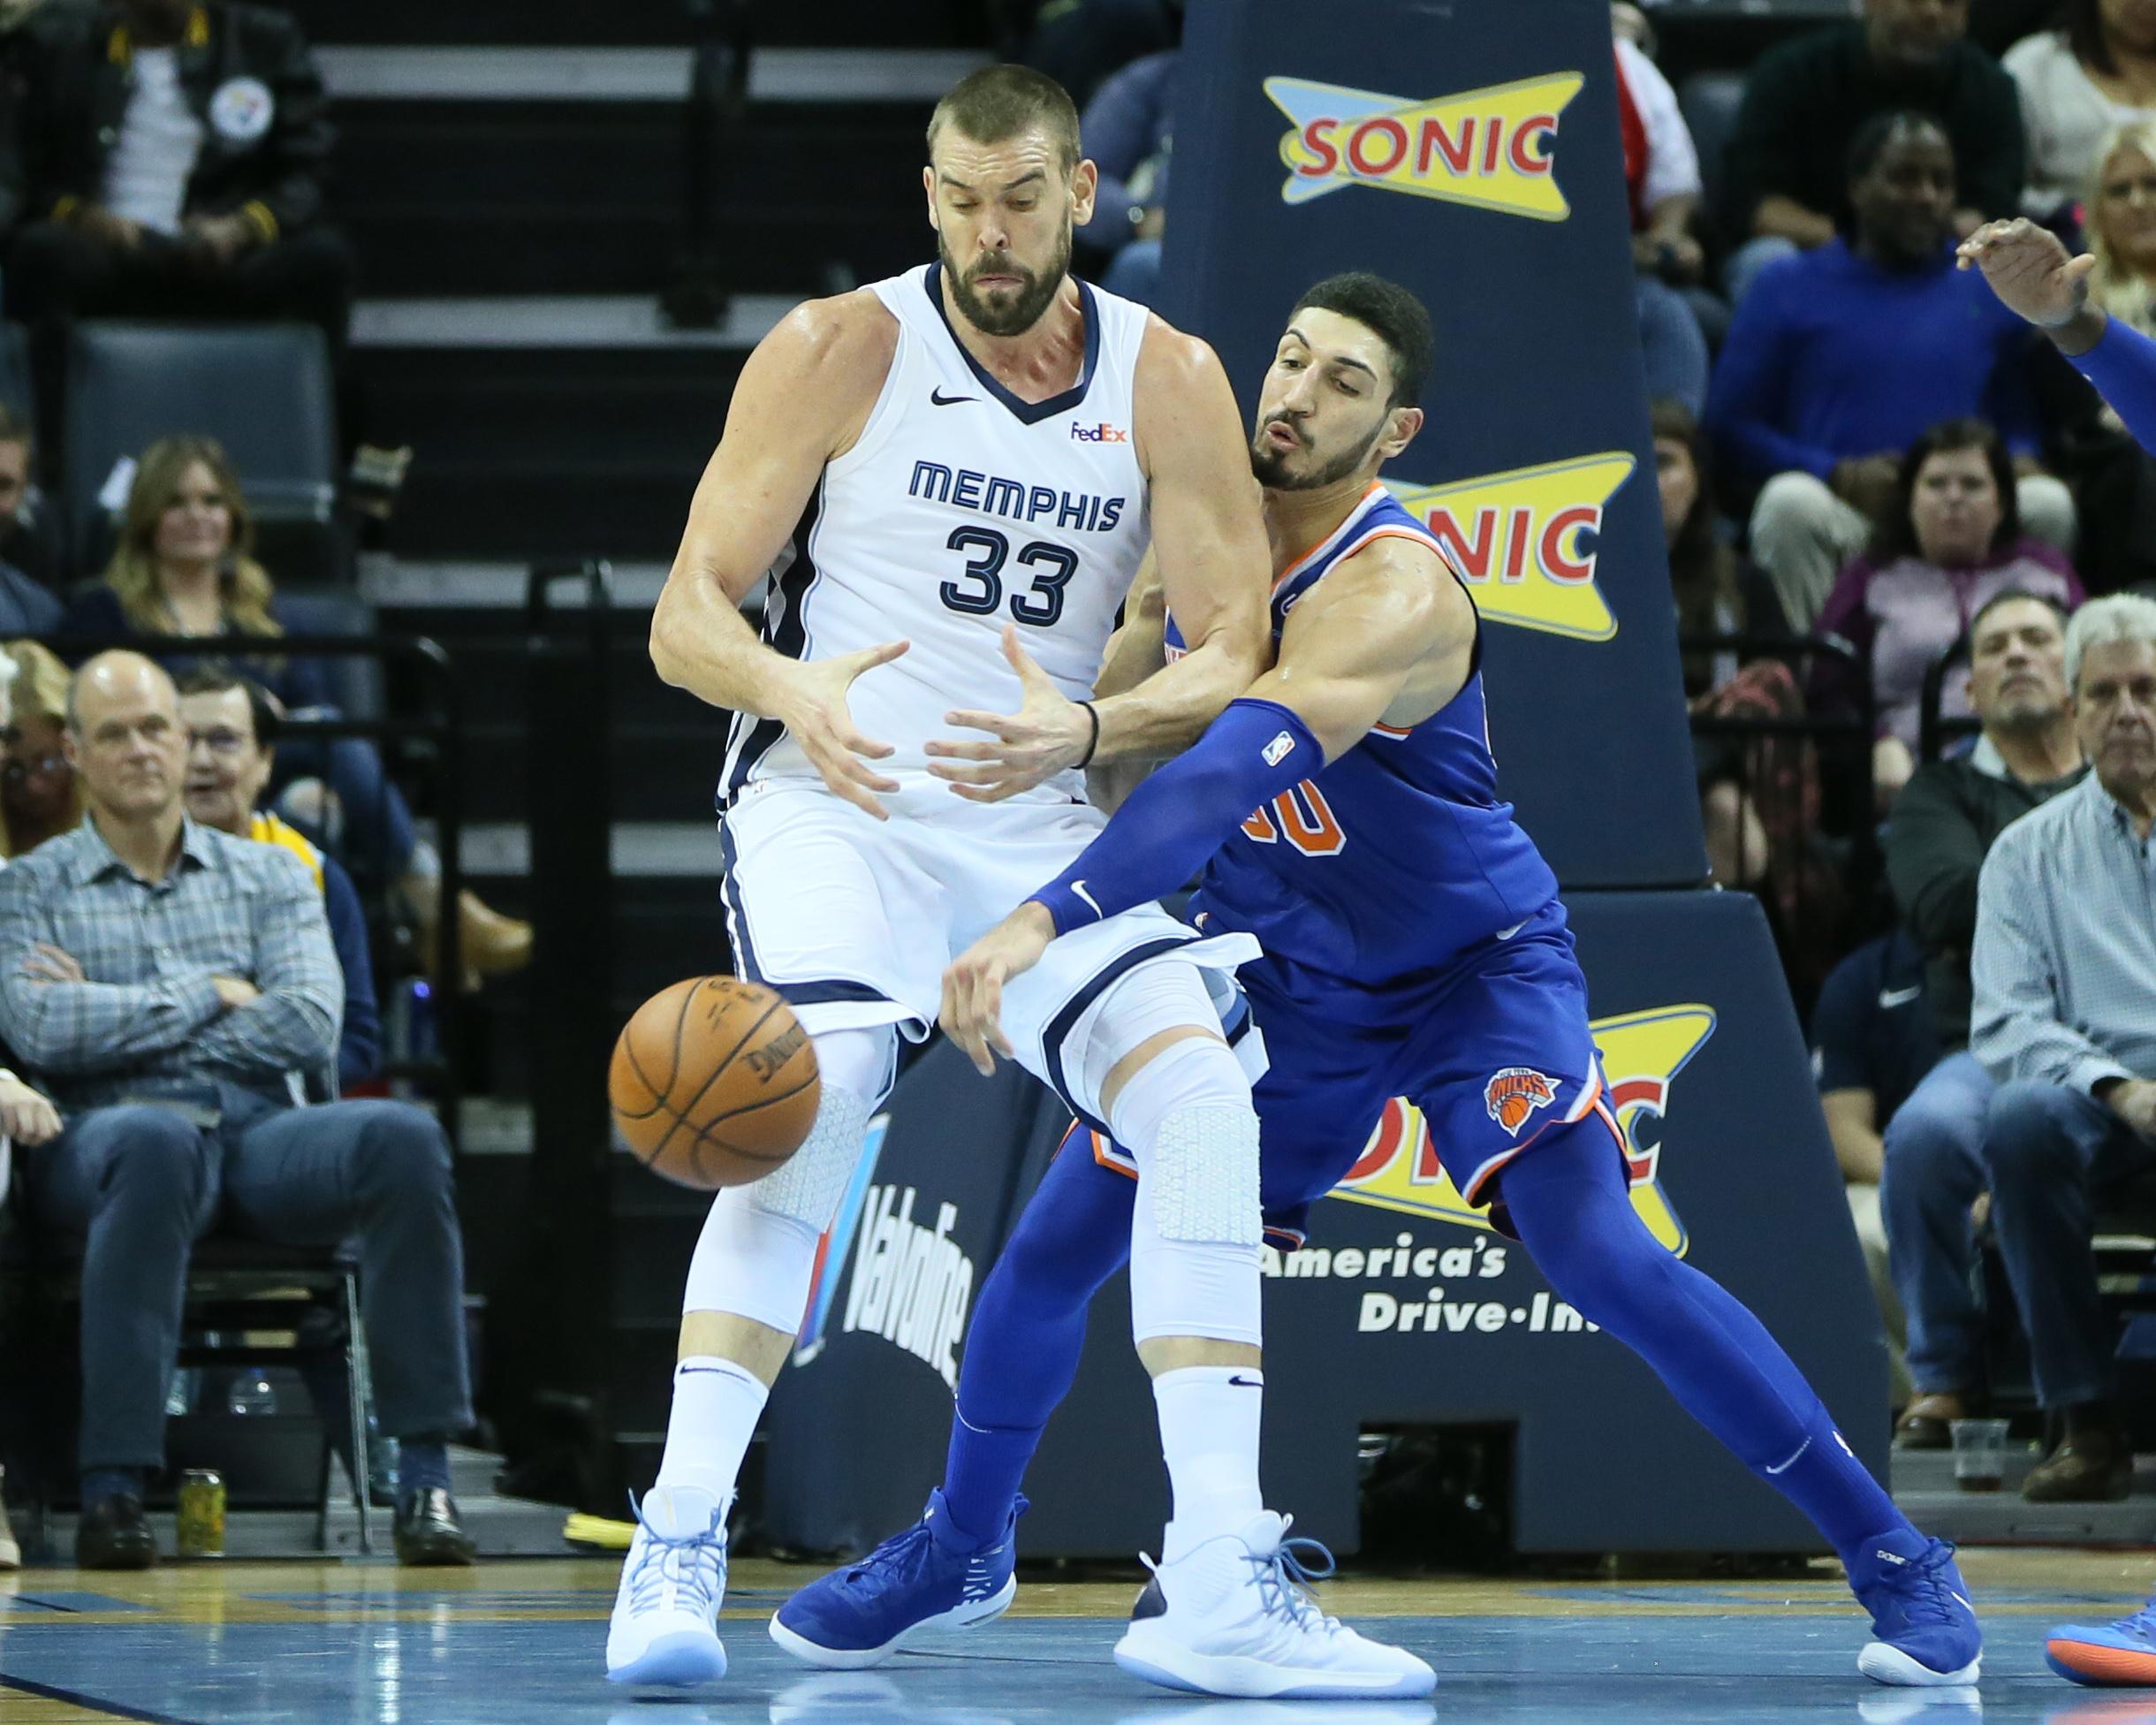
{"x": 1209, "y": 1426}
{"x": 716, "y": 1405}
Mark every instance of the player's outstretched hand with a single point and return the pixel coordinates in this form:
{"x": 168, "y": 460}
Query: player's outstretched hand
{"x": 972, "y": 1014}
{"x": 2029, "y": 268}
{"x": 1046, "y": 735}
{"x": 817, "y": 718}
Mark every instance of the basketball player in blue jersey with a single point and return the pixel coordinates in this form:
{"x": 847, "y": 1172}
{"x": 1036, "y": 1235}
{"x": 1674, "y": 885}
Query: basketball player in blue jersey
{"x": 2036, "y": 277}
{"x": 981, "y": 447}
{"x": 1414, "y": 945}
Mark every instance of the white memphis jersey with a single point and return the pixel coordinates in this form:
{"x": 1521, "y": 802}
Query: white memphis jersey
{"x": 962, "y": 508}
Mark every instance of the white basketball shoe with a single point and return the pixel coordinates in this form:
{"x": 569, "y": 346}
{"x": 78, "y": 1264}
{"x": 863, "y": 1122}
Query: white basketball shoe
{"x": 1234, "y": 1616}
{"x": 665, "y": 1624}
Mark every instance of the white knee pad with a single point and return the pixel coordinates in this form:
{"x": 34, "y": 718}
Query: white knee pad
{"x": 1166, "y": 994}
{"x": 757, "y": 1251}
{"x": 1195, "y": 1231}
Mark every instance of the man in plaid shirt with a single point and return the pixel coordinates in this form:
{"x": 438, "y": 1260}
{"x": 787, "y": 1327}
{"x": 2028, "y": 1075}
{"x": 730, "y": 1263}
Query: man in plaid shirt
{"x": 167, "y": 985}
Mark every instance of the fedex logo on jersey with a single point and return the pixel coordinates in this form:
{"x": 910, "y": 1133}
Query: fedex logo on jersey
{"x": 1643, "y": 1053}
{"x": 1102, "y": 433}
{"x": 1525, "y": 540}
{"x": 1493, "y": 148}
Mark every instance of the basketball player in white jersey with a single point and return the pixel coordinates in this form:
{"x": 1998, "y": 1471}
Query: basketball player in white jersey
{"x": 988, "y": 445}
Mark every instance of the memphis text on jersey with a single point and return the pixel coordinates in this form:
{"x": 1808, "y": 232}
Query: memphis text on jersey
{"x": 991, "y": 494}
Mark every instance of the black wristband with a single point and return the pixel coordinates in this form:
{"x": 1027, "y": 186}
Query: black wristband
{"x": 1093, "y": 743}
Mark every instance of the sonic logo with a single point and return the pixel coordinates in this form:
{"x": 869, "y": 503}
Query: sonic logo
{"x": 1513, "y": 1095}
{"x": 1491, "y": 148}
{"x": 1642, "y": 1053}
{"x": 1525, "y": 540}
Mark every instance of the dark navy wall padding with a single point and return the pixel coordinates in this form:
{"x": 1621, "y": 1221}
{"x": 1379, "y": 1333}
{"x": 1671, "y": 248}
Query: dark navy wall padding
{"x": 1537, "y": 362}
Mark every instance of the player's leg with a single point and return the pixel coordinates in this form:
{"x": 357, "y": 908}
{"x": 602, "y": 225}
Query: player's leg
{"x": 1567, "y": 1198}
{"x": 1225, "y": 1613}
{"x": 747, "y": 1286}
{"x": 952, "y": 1568}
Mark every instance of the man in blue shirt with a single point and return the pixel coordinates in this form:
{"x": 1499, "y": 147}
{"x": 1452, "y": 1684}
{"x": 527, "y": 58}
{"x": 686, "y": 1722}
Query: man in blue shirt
{"x": 1838, "y": 360}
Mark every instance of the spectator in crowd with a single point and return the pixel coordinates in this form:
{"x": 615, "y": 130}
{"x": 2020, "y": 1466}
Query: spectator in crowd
{"x": 1807, "y": 100}
{"x": 1661, "y": 171}
{"x": 1944, "y": 824}
{"x": 1949, "y": 542}
{"x": 2112, "y": 477}
{"x": 40, "y": 794}
{"x": 29, "y": 527}
{"x": 1127, "y": 128}
{"x": 2064, "y": 969}
{"x": 171, "y": 154}
{"x": 1082, "y": 43}
{"x": 1718, "y": 593}
{"x": 2077, "y": 84}
{"x": 185, "y": 565}
{"x": 1840, "y": 359}
{"x": 232, "y": 725}
{"x": 166, "y": 980}
{"x": 1871, "y": 1042}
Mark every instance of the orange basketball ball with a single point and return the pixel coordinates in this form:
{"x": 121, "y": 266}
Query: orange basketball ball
{"x": 713, "y": 1083}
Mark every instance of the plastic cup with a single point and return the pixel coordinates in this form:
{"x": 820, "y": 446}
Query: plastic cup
{"x": 1979, "y": 1454}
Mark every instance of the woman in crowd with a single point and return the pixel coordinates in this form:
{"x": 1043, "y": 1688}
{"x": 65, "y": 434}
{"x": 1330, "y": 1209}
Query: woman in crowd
{"x": 2077, "y": 84}
{"x": 40, "y": 795}
{"x": 1950, "y": 540}
{"x": 185, "y": 566}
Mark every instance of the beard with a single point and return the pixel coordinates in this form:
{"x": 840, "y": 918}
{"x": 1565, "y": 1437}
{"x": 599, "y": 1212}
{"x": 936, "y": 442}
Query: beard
{"x": 1019, "y": 313}
{"x": 1269, "y": 467}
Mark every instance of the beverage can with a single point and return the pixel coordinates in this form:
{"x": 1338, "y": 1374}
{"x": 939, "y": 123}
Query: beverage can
{"x": 201, "y": 1513}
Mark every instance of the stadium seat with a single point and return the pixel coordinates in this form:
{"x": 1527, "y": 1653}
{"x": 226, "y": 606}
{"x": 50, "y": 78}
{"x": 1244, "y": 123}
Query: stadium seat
{"x": 262, "y": 391}
{"x": 1709, "y": 102}
{"x": 356, "y": 680}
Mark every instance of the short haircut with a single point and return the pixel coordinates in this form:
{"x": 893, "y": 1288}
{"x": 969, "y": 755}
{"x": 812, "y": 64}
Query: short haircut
{"x": 999, "y": 102}
{"x": 14, "y": 428}
{"x": 218, "y": 680}
{"x": 2015, "y": 596}
{"x": 2120, "y": 617}
{"x": 1869, "y": 141}
{"x": 1394, "y": 315}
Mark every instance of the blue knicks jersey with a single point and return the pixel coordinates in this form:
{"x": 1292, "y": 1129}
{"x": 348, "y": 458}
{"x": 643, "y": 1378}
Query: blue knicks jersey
{"x": 1398, "y": 856}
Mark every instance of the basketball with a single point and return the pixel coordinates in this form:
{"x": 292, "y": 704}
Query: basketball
{"x": 713, "y": 1083}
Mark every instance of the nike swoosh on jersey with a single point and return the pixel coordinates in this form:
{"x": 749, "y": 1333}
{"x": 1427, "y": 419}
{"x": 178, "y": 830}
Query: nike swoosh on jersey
{"x": 937, "y": 399}
{"x": 1891, "y": 998}
{"x": 1092, "y": 903}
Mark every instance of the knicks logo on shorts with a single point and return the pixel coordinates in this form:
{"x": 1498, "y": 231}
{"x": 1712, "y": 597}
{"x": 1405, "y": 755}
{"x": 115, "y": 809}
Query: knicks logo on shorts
{"x": 1513, "y": 1095}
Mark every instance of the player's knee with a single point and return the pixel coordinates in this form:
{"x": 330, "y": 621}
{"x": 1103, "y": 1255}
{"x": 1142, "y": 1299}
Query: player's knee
{"x": 2025, "y": 1135}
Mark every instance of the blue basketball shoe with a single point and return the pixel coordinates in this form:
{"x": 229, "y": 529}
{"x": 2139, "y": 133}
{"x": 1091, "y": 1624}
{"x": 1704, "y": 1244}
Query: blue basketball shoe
{"x": 930, "y": 1578}
{"x": 1925, "y": 1632}
{"x": 665, "y": 1622}
{"x": 2121, "y": 1656}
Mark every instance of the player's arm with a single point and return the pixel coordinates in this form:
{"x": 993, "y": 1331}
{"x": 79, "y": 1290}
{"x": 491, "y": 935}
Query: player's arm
{"x": 1139, "y": 646}
{"x": 803, "y": 398}
{"x": 1214, "y": 568}
{"x": 1387, "y": 634}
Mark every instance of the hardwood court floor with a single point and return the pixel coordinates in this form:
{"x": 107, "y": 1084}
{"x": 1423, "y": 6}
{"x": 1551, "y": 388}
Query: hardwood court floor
{"x": 367, "y": 1643}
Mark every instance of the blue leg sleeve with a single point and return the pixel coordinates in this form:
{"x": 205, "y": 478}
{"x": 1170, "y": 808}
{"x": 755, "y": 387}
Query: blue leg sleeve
{"x": 1029, "y": 1331}
{"x": 1569, "y": 1202}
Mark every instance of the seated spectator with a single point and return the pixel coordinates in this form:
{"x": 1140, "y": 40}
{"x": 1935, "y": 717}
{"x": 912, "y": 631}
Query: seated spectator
{"x": 1661, "y": 171}
{"x": 185, "y": 565}
{"x": 1840, "y": 359}
{"x": 167, "y": 981}
{"x": 1716, "y": 593}
{"x": 2114, "y": 478}
{"x": 1949, "y": 543}
{"x": 233, "y": 725}
{"x": 1126, "y": 130}
{"x": 171, "y": 159}
{"x": 1807, "y": 100}
{"x": 1082, "y": 43}
{"x": 1943, "y": 827}
{"x": 29, "y": 525}
{"x": 2064, "y": 970}
{"x": 2078, "y": 83}
{"x": 1872, "y": 1042}
{"x": 41, "y": 795}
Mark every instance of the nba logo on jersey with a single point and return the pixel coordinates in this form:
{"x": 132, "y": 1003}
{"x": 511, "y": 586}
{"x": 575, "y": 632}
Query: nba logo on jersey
{"x": 1278, "y": 750}
{"x": 1513, "y": 1095}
